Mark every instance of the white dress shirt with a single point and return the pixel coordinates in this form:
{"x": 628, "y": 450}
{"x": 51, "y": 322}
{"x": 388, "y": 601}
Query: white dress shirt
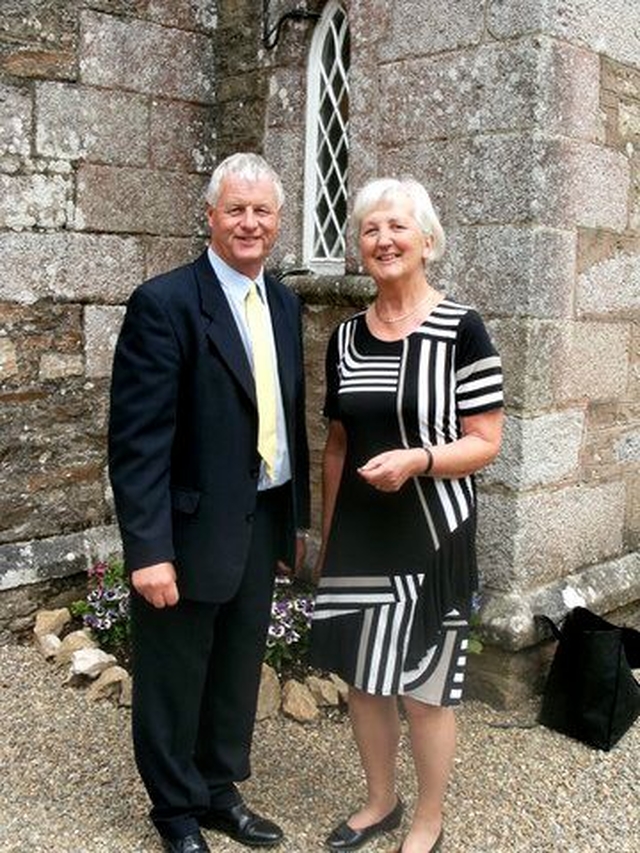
{"x": 235, "y": 286}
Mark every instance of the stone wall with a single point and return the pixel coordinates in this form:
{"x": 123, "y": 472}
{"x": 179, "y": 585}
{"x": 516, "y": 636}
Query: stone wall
{"x": 523, "y": 120}
{"x": 106, "y": 141}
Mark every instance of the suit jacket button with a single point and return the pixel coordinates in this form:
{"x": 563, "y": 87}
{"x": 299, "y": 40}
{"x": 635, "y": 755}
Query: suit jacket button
{"x": 249, "y": 517}
{"x": 254, "y": 473}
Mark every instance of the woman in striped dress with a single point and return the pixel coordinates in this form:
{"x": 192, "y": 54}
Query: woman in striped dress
{"x": 414, "y": 402}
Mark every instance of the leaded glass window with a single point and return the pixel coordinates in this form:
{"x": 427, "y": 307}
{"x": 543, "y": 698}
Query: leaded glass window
{"x": 327, "y": 142}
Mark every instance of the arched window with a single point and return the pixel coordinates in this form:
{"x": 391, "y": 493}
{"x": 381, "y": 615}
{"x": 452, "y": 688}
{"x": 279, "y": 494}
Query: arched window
{"x": 327, "y": 142}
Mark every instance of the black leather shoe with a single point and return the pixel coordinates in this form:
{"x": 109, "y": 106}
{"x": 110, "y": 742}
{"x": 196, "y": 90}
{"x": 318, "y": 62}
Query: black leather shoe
{"x": 244, "y": 826}
{"x": 434, "y": 847}
{"x": 345, "y": 837}
{"x": 193, "y": 843}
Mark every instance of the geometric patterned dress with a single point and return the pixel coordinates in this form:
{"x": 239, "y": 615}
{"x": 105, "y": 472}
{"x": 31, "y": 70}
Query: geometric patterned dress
{"x": 392, "y": 606}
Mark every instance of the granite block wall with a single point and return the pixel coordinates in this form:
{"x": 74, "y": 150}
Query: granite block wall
{"x": 522, "y": 118}
{"x": 107, "y": 138}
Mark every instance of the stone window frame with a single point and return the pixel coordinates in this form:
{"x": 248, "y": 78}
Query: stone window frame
{"x": 325, "y": 187}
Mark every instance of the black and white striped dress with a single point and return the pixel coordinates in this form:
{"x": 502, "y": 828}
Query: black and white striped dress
{"x": 392, "y": 609}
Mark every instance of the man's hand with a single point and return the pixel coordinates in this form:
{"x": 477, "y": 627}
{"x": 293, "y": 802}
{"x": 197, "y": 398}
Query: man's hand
{"x": 157, "y": 584}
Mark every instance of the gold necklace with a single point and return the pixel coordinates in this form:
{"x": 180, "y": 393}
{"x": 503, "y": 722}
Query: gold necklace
{"x": 402, "y": 316}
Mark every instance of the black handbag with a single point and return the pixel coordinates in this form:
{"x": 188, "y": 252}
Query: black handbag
{"x": 591, "y": 694}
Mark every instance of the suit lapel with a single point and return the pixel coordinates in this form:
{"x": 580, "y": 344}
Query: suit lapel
{"x": 222, "y": 330}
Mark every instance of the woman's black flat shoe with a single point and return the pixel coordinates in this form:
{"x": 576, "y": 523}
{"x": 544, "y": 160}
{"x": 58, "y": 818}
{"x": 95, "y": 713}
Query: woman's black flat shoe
{"x": 344, "y": 837}
{"x": 434, "y": 847}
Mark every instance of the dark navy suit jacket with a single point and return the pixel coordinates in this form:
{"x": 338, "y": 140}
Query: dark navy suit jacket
{"x": 183, "y": 429}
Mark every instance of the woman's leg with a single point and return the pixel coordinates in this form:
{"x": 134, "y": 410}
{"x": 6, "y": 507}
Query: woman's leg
{"x": 432, "y": 731}
{"x": 376, "y": 729}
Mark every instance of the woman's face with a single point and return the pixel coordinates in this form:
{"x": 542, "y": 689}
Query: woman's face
{"x": 392, "y": 245}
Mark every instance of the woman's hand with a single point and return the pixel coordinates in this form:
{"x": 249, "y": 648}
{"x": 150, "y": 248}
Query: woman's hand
{"x": 157, "y": 584}
{"x": 389, "y": 471}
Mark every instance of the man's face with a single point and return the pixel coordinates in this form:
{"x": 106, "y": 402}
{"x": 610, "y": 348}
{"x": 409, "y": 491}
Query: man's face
{"x": 244, "y": 223}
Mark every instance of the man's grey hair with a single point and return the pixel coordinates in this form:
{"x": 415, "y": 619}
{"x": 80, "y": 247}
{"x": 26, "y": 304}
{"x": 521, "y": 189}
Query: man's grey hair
{"x": 246, "y": 166}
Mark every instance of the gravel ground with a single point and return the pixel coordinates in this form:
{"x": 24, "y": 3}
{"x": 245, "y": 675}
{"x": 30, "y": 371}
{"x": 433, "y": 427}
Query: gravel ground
{"x": 68, "y": 782}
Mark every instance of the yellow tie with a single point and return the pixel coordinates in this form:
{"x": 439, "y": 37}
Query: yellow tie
{"x": 258, "y": 324}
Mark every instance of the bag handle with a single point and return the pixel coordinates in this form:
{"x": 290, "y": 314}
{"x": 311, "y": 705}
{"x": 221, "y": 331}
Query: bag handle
{"x": 545, "y": 621}
{"x": 630, "y": 637}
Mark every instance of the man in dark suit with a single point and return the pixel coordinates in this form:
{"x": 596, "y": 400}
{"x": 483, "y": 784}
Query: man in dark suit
{"x": 209, "y": 466}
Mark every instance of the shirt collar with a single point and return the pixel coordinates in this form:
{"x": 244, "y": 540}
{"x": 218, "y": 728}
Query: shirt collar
{"x": 232, "y": 279}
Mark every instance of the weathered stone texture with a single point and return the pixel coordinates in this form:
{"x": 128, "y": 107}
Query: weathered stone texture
{"x": 241, "y": 79}
{"x": 145, "y": 57}
{"x": 284, "y": 152}
{"x": 620, "y": 105}
{"x": 181, "y": 137}
{"x": 126, "y": 135}
{"x": 531, "y": 539}
{"x": 39, "y": 40}
{"x": 460, "y": 89}
{"x": 612, "y": 286}
{"x": 15, "y": 126}
{"x": 633, "y": 387}
{"x": 165, "y": 253}
{"x": 569, "y": 102}
{"x": 185, "y": 14}
{"x": 240, "y": 116}
{"x": 550, "y": 364}
{"x": 411, "y": 32}
{"x": 91, "y": 124}
{"x": 72, "y": 267}
{"x": 634, "y": 203}
{"x": 52, "y": 426}
{"x": 101, "y": 328}
{"x": 539, "y": 451}
{"x": 54, "y": 365}
{"x": 56, "y": 447}
{"x": 8, "y": 358}
{"x": 612, "y": 440}
{"x": 541, "y": 84}
{"x": 28, "y": 201}
{"x": 632, "y": 517}
{"x": 287, "y": 100}
{"x": 504, "y": 679}
{"x": 437, "y": 165}
{"x": 509, "y": 271}
{"x": 558, "y": 183}
{"x": 19, "y": 604}
{"x": 592, "y": 363}
{"x": 39, "y": 560}
{"x": 612, "y": 585}
{"x": 366, "y": 122}
{"x": 139, "y": 201}
{"x": 27, "y": 62}
{"x": 36, "y": 331}
{"x": 609, "y": 26}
